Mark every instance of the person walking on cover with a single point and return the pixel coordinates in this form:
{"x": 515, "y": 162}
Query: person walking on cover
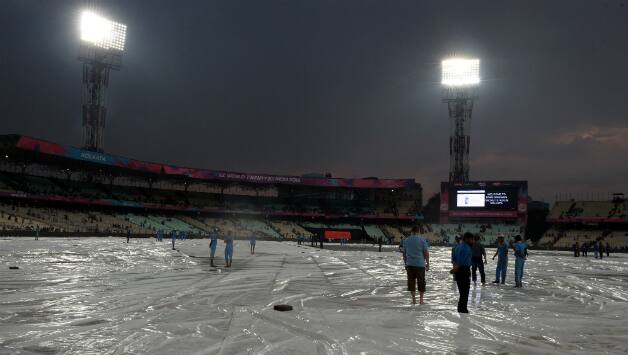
{"x": 228, "y": 250}
{"x": 252, "y": 242}
{"x": 213, "y": 244}
{"x": 596, "y": 248}
{"x": 416, "y": 257}
{"x": 173, "y": 235}
{"x": 478, "y": 263}
{"x": 462, "y": 270}
{"x": 608, "y": 248}
{"x": 520, "y": 255}
{"x": 502, "y": 260}
{"x": 585, "y": 249}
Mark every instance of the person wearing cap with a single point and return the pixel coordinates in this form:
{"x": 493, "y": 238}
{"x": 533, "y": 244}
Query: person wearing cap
{"x": 502, "y": 260}
{"x": 520, "y": 259}
{"x": 416, "y": 257}
{"x": 462, "y": 270}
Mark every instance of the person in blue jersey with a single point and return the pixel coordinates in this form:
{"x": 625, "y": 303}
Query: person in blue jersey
{"x": 502, "y": 260}
{"x": 462, "y": 270}
{"x": 128, "y": 235}
{"x": 416, "y": 257}
{"x": 228, "y": 249}
{"x": 213, "y": 244}
{"x": 453, "y": 248}
{"x": 252, "y": 241}
{"x": 453, "y": 251}
{"x": 173, "y": 235}
{"x": 520, "y": 249}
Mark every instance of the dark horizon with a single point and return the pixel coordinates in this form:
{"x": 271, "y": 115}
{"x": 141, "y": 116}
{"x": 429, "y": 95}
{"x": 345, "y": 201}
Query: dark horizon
{"x": 350, "y": 87}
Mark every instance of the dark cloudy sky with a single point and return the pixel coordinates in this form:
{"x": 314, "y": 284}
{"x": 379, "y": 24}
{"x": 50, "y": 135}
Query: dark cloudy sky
{"x": 349, "y": 87}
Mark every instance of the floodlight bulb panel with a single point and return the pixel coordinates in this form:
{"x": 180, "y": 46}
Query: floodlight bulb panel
{"x": 102, "y": 32}
{"x": 461, "y": 72}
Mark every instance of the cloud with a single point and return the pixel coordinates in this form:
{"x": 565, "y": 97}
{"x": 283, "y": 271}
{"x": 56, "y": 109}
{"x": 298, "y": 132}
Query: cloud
{"x": 613, "y": 137}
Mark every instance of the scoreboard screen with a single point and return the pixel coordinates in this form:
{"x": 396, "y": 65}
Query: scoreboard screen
{"x": 484, "y": 196}
{"x": 484, "y": 199}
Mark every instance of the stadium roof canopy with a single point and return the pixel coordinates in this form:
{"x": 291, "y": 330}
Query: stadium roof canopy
{"x": 25, "y": 144}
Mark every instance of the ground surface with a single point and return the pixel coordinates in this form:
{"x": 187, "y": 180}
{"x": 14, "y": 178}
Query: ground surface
{"x": 103, "y": 296}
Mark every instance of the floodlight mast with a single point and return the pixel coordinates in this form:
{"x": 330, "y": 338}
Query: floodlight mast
{"x": 460, "y": 77}
{"x": 101, "y": 51}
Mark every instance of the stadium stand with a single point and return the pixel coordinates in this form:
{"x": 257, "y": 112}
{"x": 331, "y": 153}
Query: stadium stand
{"x": 585, "y": 222}
{"x": 618, "y": 240}
{"x": 375, "y": 232}
{"x": 393, "y": 233}
{"x": 290, "y": 230}
{"x": 65, "y": 189}
{"x": 65, "y": 220}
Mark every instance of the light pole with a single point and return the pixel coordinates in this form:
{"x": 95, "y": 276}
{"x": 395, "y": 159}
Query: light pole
{"x": 101, "y": 50}
{"x": 460, "y": 77}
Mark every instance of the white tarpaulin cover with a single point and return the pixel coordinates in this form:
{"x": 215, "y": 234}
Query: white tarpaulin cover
{"x": 103, "y": 296}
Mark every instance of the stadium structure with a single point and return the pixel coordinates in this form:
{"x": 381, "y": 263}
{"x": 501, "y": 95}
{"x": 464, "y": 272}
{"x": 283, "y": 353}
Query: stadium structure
{"x": 584, "y": 222}
{"x": 63, "y": 190}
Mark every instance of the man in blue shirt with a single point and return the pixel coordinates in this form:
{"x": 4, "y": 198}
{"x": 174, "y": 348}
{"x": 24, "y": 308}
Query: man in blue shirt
{"x": 228, "y": 249}
{"x": 462, "y": 270}
{"x": 520, "y": 254}
{"x": 416, "y": 256}
{"x": 502, "y": 260}
{"x": 453, "y": 248}
{"x": 213, "y": 244}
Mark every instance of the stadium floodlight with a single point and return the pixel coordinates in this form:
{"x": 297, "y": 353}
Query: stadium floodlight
{"x": 102, "y": 46}
{"x": 461, "y": 77}
{"x": 460, "y": 72}
{"x": 102, "y": 32}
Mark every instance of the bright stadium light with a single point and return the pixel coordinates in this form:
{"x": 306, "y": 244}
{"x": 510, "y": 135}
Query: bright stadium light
{"x": 102, "y": 32}
{"x": 102, "y": 47}
{"x": 461, "y": 72}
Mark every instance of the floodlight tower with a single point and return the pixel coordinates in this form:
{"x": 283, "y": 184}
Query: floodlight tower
{"x": 460, "y": 77}
{"x": 101, "y": 51}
